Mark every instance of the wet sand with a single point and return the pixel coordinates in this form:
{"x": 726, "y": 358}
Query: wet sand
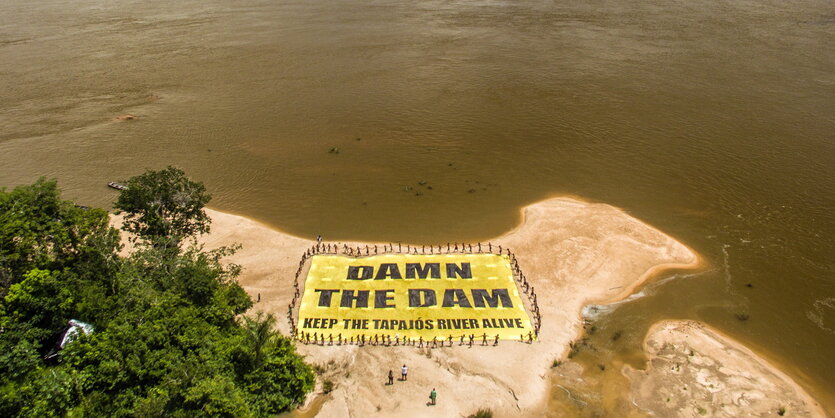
{"x": 573, "y": 252}
{"x": 695, "y": 370}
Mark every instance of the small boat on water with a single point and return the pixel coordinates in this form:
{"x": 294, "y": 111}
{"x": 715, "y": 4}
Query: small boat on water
{"x": 117, "y": 186}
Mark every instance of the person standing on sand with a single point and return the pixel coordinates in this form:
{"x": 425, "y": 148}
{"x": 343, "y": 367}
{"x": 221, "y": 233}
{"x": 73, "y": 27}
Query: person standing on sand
{"x": 391, "y": 377}
{"x": 404, "y": 372}
{"x": 433, "y": 395}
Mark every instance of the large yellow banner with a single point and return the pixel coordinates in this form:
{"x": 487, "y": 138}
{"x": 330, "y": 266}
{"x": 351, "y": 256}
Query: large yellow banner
{"x": 412, "y": 296}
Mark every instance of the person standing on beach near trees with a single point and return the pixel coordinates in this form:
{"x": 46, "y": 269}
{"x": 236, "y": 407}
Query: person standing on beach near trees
{"x": 404, "y": 371}
{"x": 391, "y": 377}
{"x": 433, "y": 395}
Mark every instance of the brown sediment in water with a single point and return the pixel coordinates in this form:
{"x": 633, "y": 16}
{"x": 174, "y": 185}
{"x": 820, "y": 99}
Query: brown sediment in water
{"x": 695, "y": 370}
{"x": 573, "y": 252}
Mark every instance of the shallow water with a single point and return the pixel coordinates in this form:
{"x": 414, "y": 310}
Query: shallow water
{"x": 712, "y": 121}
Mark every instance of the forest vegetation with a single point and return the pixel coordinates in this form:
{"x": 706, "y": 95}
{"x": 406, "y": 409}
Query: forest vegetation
{"x": 172, "y": 332}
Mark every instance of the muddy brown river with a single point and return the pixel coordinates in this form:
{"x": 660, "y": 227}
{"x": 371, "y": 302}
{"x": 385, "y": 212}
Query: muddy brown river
{"x": 434, "y": 121}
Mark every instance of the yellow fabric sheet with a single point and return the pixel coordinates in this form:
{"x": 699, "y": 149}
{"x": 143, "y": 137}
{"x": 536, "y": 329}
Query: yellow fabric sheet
{"x": 354, "y": 297}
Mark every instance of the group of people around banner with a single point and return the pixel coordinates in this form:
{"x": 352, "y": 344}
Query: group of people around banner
{"x": 325, "y": 248}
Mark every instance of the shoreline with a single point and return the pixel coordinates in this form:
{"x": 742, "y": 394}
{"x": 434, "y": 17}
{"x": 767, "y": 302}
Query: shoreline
{"x": 575, "y": 253}
{"x": 698, "y": 263}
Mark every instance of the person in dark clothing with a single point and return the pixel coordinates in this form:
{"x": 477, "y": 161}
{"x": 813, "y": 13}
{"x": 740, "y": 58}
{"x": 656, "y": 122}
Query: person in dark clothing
{"x": 391, "y": 377}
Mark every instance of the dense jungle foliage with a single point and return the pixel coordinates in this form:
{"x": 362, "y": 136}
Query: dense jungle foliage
{"x": 169, "y": 338}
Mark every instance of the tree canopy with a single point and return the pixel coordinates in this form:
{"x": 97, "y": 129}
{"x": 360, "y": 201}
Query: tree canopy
{"x": 39, "y": 230}
{"x": 170, "y": 335}
{"x": 164, "y": 207}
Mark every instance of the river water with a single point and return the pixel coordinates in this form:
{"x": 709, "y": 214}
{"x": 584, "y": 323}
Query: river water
{"x": 711, "y": 120}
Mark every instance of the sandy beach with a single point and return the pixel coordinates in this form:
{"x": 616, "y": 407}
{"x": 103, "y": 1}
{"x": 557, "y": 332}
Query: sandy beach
{"x": 573, "y": 252}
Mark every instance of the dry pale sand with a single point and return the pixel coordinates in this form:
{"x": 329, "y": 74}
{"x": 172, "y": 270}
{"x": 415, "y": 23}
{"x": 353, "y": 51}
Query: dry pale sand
{"x": 573, "y": 252}
{"x": 696, "y": 371}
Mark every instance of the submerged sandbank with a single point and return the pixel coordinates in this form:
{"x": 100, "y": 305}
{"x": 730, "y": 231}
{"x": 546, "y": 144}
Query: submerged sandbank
{"x": 695, "y": 370}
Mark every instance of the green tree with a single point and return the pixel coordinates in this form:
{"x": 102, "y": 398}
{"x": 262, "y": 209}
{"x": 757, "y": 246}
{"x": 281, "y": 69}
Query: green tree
{"x": 38, "y": 306}
{"x": 273, "y": 374}
{"x": 39, "y": 230}
{"x": 164, "y": 207}
{"x": 167, "y": 339}
{"x": 260, "y": 335}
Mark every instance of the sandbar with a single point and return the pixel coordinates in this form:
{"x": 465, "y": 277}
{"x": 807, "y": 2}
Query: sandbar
{"x": 574, "y": 253}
